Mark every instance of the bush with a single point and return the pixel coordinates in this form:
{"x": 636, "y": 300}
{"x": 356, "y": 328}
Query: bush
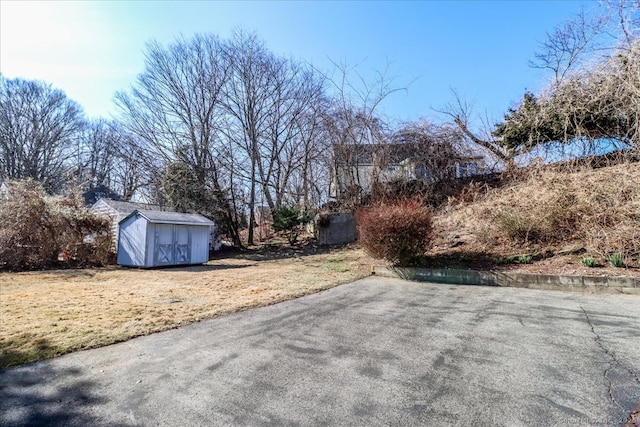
{"x": 290, "y": 221}
{"x": 398, "y": 232}
{"x": 35, "y": 228}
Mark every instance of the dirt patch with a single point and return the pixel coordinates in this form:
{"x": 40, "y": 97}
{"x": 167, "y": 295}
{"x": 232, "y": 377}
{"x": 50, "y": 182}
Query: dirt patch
{"x": 49, "y": 313}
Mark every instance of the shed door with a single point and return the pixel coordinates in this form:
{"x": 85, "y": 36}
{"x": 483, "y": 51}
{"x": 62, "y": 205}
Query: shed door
{"x": 164, "y": 245}
{"x": 182, "y": 244}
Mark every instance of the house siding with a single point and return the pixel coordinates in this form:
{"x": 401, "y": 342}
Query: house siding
{"x": 132, "y": 238}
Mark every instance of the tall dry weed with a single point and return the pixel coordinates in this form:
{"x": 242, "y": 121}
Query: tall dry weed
{"x": 598, "y": 209}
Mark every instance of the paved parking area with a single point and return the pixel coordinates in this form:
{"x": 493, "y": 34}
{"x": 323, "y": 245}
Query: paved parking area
{"x": 374, "y": 352}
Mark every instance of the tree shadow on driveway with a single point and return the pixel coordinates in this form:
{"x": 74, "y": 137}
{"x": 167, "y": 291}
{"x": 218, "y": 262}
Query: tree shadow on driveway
{"x": 26, "y": 401}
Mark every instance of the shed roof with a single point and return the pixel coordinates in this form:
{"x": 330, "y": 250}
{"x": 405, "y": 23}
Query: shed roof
{"x": 125, "y": 208}
{"x": 164, "y": 217}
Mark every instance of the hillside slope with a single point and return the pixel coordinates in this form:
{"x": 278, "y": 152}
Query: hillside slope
{"x": 555, "y": 217}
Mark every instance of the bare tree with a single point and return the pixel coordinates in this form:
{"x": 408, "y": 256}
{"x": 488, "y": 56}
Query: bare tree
{"x": 603, "y": 101}
{"x": 434, "y": 150}
{"x": 250, "y": 127}
{"x": 598, "y": 102}
{"x": 354, "y": 127}
{"x": 38, "y": 126}
{"x": 460, "y": 111}
{"x": 567, "y": 46}
{"x": 626, "y": 15}
{"x": 289, "y": 141}
{"x": 309, "y": 185}
{"x": 175, "y": 108}
{"x": 271, "y": 103}
{"x": 247, "y": 102}
{"x": 110, "y": 157}
{"x": 590, "y": 97}
{"x": 130, "y": 173}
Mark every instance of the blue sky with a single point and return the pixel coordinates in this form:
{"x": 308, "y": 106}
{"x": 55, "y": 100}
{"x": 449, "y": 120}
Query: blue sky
{"x": 93, "y": 49}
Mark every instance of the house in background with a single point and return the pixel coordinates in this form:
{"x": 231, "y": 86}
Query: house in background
{"x": 93, "y": 194}
{"x": 159, "y": 239}
{"x": 117, "y": 210}
{"x": 357, "y": 166}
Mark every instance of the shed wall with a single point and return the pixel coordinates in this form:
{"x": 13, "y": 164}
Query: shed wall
{"x": 132, "y": 243}
{"x": 199, "y": 244}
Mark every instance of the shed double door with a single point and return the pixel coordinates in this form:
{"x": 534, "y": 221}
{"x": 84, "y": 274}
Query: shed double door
{"x": 172, "y": 245}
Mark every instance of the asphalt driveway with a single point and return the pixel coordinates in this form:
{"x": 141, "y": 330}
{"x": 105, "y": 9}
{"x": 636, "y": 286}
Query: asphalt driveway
{"x": 373, "y": 352}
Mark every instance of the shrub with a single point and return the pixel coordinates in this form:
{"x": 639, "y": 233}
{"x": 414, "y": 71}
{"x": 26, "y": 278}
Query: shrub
{"x": 517, "y": 226}
{"x": 25, "y": 237}
{"x": 35, "y": 228}
{"x": 398, "y": 232}
{"x": 290, "y": 221}
{"x": 589, "y": 262}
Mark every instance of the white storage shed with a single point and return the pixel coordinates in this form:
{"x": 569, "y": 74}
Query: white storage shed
{"x": 157, "y": 238}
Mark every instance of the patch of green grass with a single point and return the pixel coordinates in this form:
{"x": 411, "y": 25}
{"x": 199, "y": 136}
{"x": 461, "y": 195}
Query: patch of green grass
{"x": 505, "y": 260}
{"x": 589, "y": 262}
{"x": 616, "y": 260}
{"x": 513, "y": 259}
{"x": 524, "y": 259}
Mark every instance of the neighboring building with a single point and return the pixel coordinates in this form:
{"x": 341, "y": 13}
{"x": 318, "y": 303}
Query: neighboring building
{"x": 92, "y": 195}
{"x": 160, "y": 238}
{"x": 360, "y": 165}
{"x": 118, "y": 210}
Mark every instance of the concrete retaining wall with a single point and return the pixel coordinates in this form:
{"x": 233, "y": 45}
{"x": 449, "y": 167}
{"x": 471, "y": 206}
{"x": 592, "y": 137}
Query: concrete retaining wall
{"x": 593, "y": 284}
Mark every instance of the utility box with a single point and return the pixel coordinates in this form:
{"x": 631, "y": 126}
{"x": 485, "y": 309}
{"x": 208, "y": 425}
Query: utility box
{"x": 336, "y": 228}
{"x": 157, "y": 239}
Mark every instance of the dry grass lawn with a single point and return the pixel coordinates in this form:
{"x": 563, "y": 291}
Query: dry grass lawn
{"x": 49, "y": 313}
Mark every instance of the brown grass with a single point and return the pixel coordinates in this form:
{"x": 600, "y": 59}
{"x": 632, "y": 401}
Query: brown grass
{"x": 587, "y": 212}
{"x": 49, "y": 313}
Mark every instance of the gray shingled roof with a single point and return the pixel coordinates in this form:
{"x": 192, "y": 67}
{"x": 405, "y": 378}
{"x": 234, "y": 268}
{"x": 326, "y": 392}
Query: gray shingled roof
{"x": 126, "y": 208}
{"x": 164, "y": 217}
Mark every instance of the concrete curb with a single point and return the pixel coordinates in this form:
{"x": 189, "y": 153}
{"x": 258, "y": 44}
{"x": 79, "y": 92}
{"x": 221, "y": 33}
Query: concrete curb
{"x": 590, "y": 284}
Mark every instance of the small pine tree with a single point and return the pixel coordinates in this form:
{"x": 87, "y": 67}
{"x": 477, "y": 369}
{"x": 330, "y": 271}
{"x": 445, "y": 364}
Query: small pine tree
{"x": 290, "y": 221}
